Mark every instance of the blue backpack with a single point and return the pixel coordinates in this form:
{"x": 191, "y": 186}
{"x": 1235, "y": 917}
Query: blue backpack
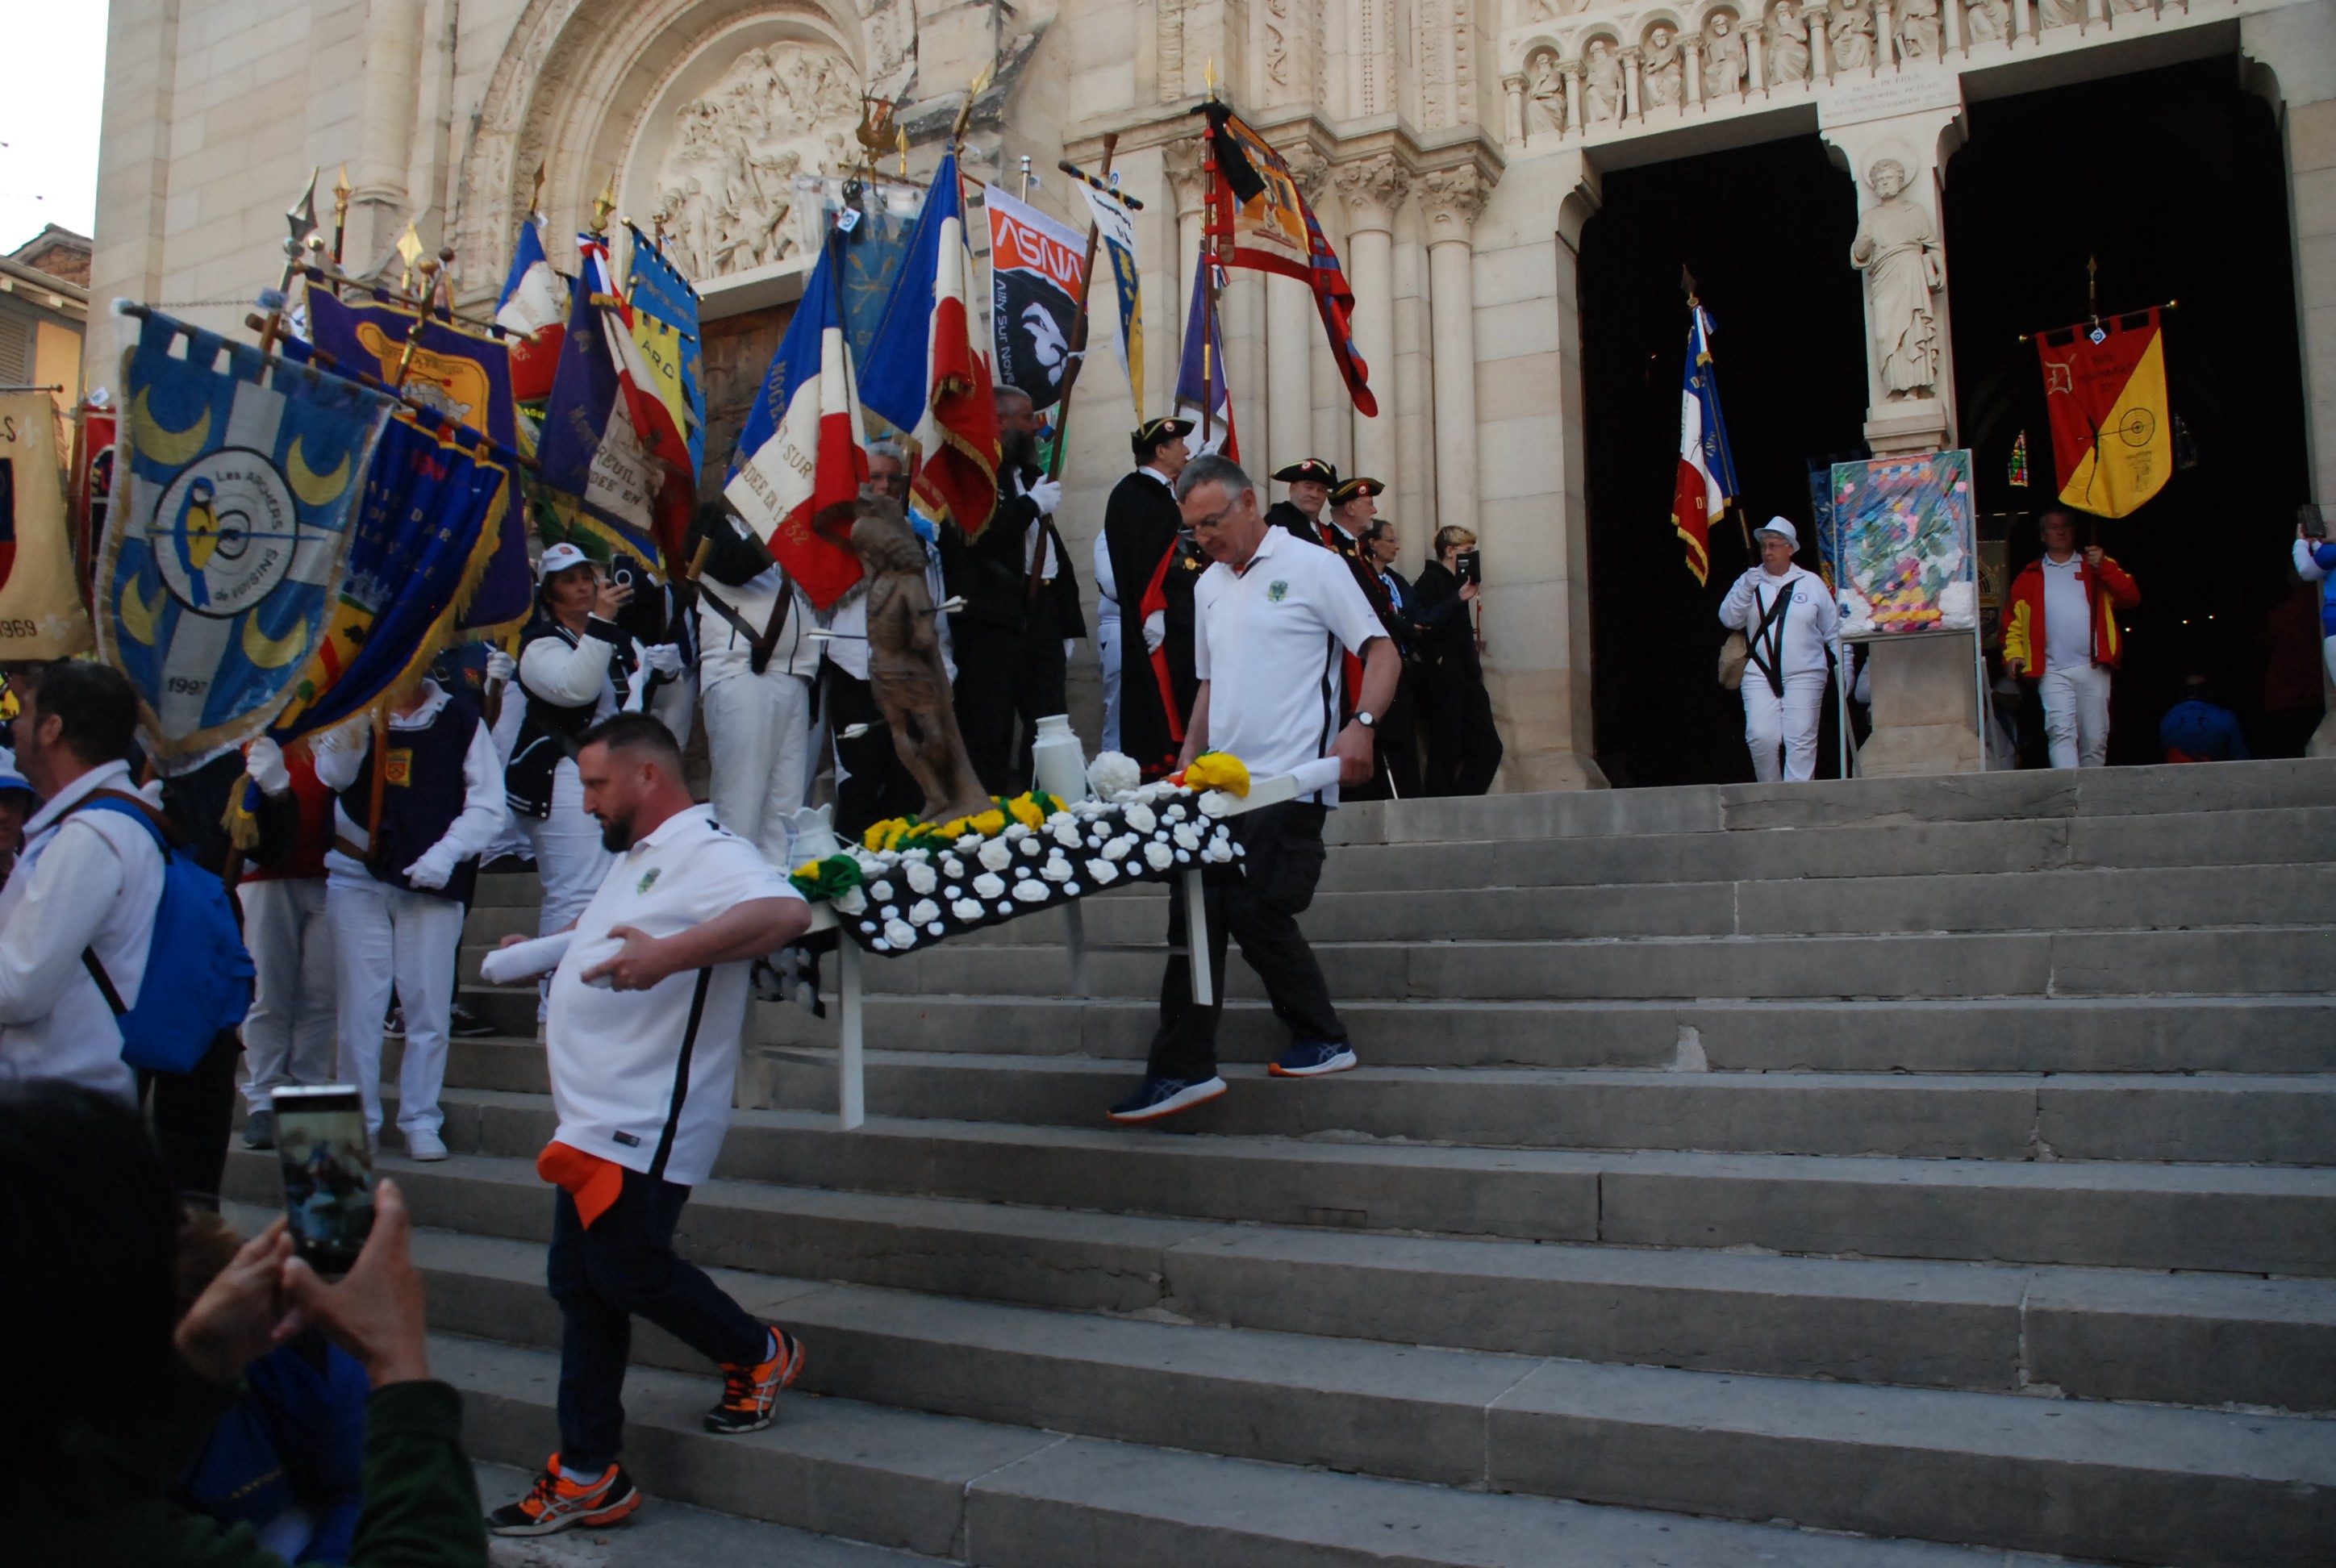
{"x": 198, "y": 977}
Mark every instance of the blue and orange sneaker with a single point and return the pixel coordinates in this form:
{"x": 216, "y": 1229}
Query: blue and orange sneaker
{"x": 557, "y": 1503}
{"x": 750, "y": 1394}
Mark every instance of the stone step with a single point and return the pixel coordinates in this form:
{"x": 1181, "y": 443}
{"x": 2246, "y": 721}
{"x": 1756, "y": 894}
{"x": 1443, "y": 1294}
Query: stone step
{"x": 1991, "y": 1469}
{"x": 2223, "y": 962}
{"x": 2090, "y": 1213}
{"x": 664, "y": 1533}
{"x": 1006, "y": 1496}
{"x": 2096, "y": 1334}
{"x": 2094, "y": 795}
{"x": 2212, "y": 896}
{"x": 2036, "y": 1034}
{"x": 2241, "y": 1120}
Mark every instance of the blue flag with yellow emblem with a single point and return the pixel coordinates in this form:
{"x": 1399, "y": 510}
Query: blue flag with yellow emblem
{"x": 239, "y": 482}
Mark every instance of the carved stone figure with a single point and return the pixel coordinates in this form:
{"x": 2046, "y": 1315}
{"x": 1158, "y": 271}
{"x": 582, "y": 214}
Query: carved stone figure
{"x": 1601, "y": 82}
{"x": 1918, "y": 29}
{"x": 1726, "y": 61}
{"x": 1986, "y": 21}
{"x": 1788, "y": 45}
{"x": 2060, "y": 12}
{"x": 904, "y": 663}
{"x": 1897, "y": 249}
{"x": 1550, "y": 10}
{"x": 1665, "y": 71}
{"x": 1852, "y": 34}
{"x": 1544, "y": 97}
{"x": 725, "y": 186}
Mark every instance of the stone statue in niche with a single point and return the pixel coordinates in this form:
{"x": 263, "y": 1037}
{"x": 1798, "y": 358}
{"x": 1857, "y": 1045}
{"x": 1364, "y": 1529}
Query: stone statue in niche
{"x": 1852, "y": 35}
{"x": 904, "y": 663}
{"x": 1550, "y": 10}
{"x": 725, "y": 186}
{"x": 1986, "y": 21}
{"x": 1544, "y": 96}
{"x": 1788, "y": 45}
{"x": 1601, "y": 82}
{"x": 2060, "y": 12}
{"x": 1665, "y": 69}
{"x": 1918, "y": 29}
{"x": 1726, "y": 63}
{"x": 1897, "y": 249}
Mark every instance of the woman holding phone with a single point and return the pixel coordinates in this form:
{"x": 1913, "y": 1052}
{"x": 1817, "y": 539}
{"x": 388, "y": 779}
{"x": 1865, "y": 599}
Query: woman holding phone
{"x": 1463, "y": 746}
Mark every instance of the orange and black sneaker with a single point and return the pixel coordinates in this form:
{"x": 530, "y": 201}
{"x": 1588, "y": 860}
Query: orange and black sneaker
{"x": 751, "y": 1394}
{"x": 557, "y": 1504}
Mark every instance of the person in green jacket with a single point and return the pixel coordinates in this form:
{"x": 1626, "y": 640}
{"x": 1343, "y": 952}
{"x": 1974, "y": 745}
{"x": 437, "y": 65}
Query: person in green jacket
{"x": 108, "y": 1396}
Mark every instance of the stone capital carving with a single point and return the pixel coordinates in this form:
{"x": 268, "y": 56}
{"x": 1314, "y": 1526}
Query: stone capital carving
{"x": 1451, "y": 201}
{"x": 1307, "y": 163}
{"x": 1184, "y": 159}
{"x": 1373, "y": 190}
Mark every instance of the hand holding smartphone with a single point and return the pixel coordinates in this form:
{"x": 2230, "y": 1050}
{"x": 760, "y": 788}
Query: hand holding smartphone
{"x": 328, "y": 1176}
{"x": 1470, "y": 565}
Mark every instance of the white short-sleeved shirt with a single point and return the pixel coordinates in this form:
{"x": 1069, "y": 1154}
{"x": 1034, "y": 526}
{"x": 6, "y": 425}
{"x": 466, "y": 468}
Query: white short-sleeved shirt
{"x": 616, "y": 1057}
{"x": 1268, "y": 640}
{"x": 2068, "y": 615}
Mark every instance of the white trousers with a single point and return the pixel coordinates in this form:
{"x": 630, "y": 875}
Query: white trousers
{"x": 569, "y": 856}
{"x": 287, "y": 1036}
{"x": 674, "y": 704}
{"x": 388, "y": 936}
{"x": 2076, "y": 713}
{"x": 1789, "y": 722}
{"x": 758, "y": 736}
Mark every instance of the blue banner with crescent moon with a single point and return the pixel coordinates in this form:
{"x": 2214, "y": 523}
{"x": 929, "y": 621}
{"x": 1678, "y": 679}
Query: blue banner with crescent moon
{"x": 240, "y": 478}
{"x": 436, "y": 504}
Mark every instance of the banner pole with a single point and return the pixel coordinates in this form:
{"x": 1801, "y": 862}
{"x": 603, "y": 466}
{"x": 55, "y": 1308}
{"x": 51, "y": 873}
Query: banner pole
{"x": 1079, "y": 326}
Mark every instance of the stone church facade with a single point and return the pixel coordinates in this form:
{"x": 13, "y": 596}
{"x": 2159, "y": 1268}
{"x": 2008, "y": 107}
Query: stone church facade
{"x": 1455, "y": 150}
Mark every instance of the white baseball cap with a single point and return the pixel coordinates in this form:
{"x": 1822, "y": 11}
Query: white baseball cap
{"x": 1774, "y": 525}
{"x": 558, "y": 559}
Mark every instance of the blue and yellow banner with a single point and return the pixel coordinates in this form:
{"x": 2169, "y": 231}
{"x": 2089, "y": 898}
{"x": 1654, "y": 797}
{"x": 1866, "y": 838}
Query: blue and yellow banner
{"x": 664, "y": 325}
{"x": 240, "y": 481}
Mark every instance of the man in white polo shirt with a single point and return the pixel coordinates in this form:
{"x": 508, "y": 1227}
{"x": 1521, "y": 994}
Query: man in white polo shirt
{"x": 645, "y": 1010}
{"x": 1271, "y": 619}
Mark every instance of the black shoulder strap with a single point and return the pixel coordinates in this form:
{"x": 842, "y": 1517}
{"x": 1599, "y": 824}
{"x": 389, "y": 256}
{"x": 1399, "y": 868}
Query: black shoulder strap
{"x": 681, "y": 1076}
{"x": 1767, "y": 638}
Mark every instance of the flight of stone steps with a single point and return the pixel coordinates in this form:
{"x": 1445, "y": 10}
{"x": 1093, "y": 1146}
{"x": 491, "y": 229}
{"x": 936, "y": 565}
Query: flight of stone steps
{"x": 1895, "y": 1172}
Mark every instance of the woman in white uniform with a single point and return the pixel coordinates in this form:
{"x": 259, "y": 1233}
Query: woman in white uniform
{"x": 1792, "y": 624}
{"x": 572, "y": 663}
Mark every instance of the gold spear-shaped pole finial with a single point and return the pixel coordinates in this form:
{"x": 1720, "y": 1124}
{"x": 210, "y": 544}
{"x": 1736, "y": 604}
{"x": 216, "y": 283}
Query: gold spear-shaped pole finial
{"x": 973, "y": 93}
{"x": 342, "y": 191}
{"x": 603, "y": 204}
{"x": 301, "y": 216}
{"x": 1209, "y": 75}
{"x": 535, "y": 192}
{"x": 902, "y": 142}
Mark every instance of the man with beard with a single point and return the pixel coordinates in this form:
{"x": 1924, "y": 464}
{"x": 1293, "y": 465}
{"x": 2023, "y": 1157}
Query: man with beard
{"x": 1310, "y": 482}
{"x": 1021, "y": 609}
{"x": 1144, "y": 566}
{"x": 646, "y": 1007}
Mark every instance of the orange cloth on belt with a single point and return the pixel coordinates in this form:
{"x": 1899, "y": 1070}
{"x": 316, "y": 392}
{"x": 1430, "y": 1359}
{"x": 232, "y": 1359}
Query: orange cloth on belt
{"x": 594, "y": 1182}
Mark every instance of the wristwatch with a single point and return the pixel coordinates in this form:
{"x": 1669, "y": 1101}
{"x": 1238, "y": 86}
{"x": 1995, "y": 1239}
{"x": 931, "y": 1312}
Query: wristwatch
{"x": 1365, "y": 719}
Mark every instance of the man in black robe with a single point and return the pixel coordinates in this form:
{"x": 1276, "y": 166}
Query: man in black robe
{"x": 1153, "y": 571}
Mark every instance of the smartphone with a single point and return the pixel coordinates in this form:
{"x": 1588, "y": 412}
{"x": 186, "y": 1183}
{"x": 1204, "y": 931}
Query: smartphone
{"x": 1471, "y": 566}
{"x": 320, "y": 1143}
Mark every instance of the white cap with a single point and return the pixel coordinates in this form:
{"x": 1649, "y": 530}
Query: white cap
{"x": 1774, "y": 525}
{"x": 560, "y": 558}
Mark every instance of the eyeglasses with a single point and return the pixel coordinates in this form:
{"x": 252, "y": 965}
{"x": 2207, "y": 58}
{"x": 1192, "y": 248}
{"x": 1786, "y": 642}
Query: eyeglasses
{"x": 1215, "y": 518}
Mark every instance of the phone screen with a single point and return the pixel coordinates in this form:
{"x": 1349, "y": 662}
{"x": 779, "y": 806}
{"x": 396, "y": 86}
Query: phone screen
{"x": 320, "y": 1143}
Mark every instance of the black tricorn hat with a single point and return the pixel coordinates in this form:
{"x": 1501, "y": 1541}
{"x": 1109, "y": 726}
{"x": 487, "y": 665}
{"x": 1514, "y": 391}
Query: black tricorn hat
{"x": 1154, "y": 431}
{"x": 1358, "y": 485}
{"x": 1312, "y": 468}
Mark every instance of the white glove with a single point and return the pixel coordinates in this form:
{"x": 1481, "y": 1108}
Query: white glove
{"x": 434, "y": 870}
{"x": 1210, "y": 447}
{"x": 665, "y": 659}
{"x": 500, "y": 666}
{"x": 265, "y": 762}
{"x": 1048, "y": 493}
{"x": 1155, "y": 630}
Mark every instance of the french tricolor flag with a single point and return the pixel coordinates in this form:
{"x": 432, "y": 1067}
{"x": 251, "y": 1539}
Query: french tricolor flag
{"x": 803, "y": 456}
{"x": 923, "y": 374}
{"x": 1707, "y": 472}
{"x": 533, "y": 310}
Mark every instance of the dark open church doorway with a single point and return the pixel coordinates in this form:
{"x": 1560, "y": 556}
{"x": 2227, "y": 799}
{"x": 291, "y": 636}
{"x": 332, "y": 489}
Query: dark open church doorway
{"x": 2174, "y": 180}
{"x": 1767, "y": 232}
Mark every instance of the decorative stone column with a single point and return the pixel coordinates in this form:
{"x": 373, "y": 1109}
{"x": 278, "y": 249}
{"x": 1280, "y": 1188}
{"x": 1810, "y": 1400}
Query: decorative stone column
{"x": 1756, "y": 56}
{"x": 1573, "y": 74}
{"x": 1450, "y": 200}
{"x": 1634, "y": 92}
{"x": 1820, "y": 44}
{"x": 1691, "y": 83}
{"x": 1512, "y": 111}
{"x": 377, "y": 211}
{"x": 1373, "y": 190}
{"x": 1885, "y": 37}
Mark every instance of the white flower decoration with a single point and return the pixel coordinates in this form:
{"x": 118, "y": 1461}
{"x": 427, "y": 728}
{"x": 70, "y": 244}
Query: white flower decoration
{"x": 922, "y": 879}
{"x": 1161, "y": 856}
{"x": 890, "y": 912}
{"x": 1070, "y": 890}
{"x": 1187, "y": 836}
{"x": 1032, "y": 891}
{"x": 880, "y": 891}
{"x": 1029, "y": 846}
{"x": 924, "y": 912}
{"x": 967, "y": 909}
{"x": 1104, "y": 872}
{"x": 900, "y": 933}
{"x": 1113, "y": 774}
{"x": 995, "y": 853}
{"x": 936, "y": 929}
{"x": 952, "y": 868}
{"x": 1066, "y": 831}
{"x": 1217, "y": 804}
{"x": 851, "y": 900}
{"x": 1057, "y": 870}
{"x": 1117, "y": 849}
{"x": 990, "y": 884}
{"x": 968, "y": 842}
{"x": 1217, "y": 851}
{"x": 1139, "y": 817}
{"x": 1015, "y": 833}
{"x": 1174, "y": 814}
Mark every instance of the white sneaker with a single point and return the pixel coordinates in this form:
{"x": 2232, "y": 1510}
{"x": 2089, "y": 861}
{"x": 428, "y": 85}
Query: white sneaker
{"x": 421, "y": 1146}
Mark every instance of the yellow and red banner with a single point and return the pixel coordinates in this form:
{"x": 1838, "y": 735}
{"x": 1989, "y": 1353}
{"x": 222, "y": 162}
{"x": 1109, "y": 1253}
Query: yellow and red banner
{"x": 2112, "y": 429}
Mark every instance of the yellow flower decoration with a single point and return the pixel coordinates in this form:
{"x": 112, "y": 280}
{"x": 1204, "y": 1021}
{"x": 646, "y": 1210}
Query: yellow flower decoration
{"x": 1218, "y": 770}
{"x": 887, "y": 834}
{"x": 988, "y": 824}
{"x": 1025, "y": 811}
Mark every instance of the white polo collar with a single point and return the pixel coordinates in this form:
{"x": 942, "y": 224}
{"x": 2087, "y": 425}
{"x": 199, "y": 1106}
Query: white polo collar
{"x": 671, "y": 828}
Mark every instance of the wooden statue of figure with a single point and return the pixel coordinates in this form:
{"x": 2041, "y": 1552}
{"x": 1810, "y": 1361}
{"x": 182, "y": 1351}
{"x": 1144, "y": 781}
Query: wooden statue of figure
{"x": 904, "y": 663}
